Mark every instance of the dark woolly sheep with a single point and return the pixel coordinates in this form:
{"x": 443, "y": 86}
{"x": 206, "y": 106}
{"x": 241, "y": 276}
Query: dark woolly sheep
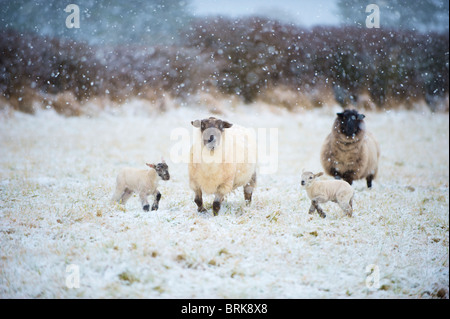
{"x": 350, "y": 152}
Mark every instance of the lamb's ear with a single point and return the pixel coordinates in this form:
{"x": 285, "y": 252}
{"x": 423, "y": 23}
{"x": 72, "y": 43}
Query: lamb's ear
{"x": 318, "y": 174}
{"x": 226, "y": 124}
{"x": 150, "y": 165}
{"x": 361, "y": 117}
{"x": 196, "y": 123}
{"x": 162, "y": 160}
{"x": 340, "y": 114}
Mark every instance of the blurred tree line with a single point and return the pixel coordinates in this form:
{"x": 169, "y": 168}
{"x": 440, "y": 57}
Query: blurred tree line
{"x": 155, "y": 22}
{"x": 160, "y": 48}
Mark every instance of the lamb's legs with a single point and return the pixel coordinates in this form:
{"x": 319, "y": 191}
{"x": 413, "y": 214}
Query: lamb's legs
{"x": 117, "y": 195}
{"x": 317, "y": 207}
{"x": 347, "y": 208}
{"x": 312, "y": 208}
{"x": 144, "y": 201}
{"x": 155, "y": 205}
{"x": 199, "y": 201}
{"x": 248, "y": 189}
{"x": 120, "y": 196}
{"x": 126, "y": 196}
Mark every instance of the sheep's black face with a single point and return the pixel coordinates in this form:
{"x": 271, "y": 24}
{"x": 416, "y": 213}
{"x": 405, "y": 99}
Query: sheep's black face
{"x": 163, "y": 171}
{"x": 350, "y": 122}
{"x": 211, "y": 129}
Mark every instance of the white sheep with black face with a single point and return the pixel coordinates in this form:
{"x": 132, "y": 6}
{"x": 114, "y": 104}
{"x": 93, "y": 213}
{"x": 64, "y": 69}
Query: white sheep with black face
{"x": 350, "y": 152}
{"x": 222, "y": 158}
{"x": 143, "y": 182}
{"x": 319, "y": 191}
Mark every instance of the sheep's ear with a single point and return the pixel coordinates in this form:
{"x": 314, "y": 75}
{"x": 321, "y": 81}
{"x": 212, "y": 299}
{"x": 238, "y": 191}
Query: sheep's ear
{"x": 318, "y": 174}
{"x": 162, "y": 160}
{"x": 196, "y": 123}
{"x": 226, "y": 124}
{"x": 361, "y": 117}
{"x": 340, "y": 114}
{"x": 150, "y": 165}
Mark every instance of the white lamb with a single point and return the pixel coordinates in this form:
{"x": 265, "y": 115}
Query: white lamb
{"x": 141, "y": 181}
{"x": 337, "y": 191}
{"x": 222, "y": 158}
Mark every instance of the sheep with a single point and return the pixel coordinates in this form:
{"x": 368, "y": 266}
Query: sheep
{"x": 350, "y": 152}
{"x": 337, "y": 191}
{"x": 222, "y": 158}
{"x": 144, "y": 182}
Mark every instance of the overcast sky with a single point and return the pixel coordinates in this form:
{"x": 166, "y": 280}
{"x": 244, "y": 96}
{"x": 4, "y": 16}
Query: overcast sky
{"x": 306, "y": 13}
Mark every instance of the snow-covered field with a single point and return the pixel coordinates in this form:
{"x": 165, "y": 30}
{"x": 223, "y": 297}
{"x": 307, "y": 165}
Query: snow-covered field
{"x": 57, "y": 225}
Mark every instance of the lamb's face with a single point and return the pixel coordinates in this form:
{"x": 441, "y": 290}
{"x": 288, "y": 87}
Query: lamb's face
{"x": 211, "y": 130}
{"x": 350, "y": 122}
{"x": 163, "y": 171}
{"x": 309, "y": 177}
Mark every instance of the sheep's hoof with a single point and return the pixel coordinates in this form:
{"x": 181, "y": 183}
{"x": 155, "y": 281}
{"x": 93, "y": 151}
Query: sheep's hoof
{"x": 216, "y": 208}
{"x": 202, "y": 210}
{"x": 146, "y": 207}
{"x": 154, "y": 207}
{"x": 322, "y": 214}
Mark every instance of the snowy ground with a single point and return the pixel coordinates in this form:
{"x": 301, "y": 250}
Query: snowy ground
{"x": 57, "y": 175}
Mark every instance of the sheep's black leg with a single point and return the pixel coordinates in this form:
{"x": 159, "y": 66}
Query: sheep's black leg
{"x": 335, "y": 173}
{"x": 216, "y": 207}
{"x": 369, "y": 181}
{"x": 312, "y": 208}
{"x": 216, "y": 204}
{"x": 199, "y": 201}
{"x": 156, "y": 203}
{"x": 319, "y": 210}
{"x": 348, "y": 177}
{"x": 248, "y": 189}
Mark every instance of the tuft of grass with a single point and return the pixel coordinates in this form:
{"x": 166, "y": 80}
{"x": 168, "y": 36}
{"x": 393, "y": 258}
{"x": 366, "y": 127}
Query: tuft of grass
{"x": 273, "y": 217}
{"x": 128, "y": 277}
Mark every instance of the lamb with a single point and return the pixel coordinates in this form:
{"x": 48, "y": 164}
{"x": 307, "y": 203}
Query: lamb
{"x": 350, "y": 152}
{"x": 222, "y": 158}
{"x": 144, "y": 182}
{"x": 337, "y": 191}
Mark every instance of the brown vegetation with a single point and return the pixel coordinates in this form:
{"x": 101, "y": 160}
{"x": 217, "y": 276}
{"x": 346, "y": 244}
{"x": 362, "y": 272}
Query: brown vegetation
{"x": 253, "y": 59}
